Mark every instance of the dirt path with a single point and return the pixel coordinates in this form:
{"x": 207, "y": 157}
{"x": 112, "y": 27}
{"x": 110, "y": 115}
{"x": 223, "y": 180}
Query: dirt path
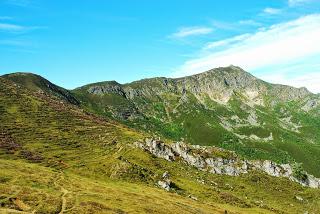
{"x": 64, "y": 193}
{"x": 63, "y": 200}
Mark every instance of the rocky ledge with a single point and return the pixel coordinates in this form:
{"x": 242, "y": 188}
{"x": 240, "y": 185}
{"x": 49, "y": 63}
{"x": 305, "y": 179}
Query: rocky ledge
{"x": 210, "y": 159}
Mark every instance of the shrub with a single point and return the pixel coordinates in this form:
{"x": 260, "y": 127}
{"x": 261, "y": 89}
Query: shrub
{"x": 299, "y": 173}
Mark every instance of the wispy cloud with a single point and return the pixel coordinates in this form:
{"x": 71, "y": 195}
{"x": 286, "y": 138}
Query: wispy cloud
{"x": 272, "y": 11}
{"x": 237, "y": 26}
{"x": 278, "y": 44}
{"x": 224, "y": 25}
{"x": 311, "y": 80}
{"x": 15, "y": 42}
{"x": 225, "y": 42}
{"x": 191, "y": 31}
{"x": 11, "y": 27}
{"x": 19, "y": 3}
{"x": 249, "y": 22}
{"x": 5, "y": 18}
{"x": 15, "y": 28}
{"x": 16, "y": 37}
{"x": 293, "y": 3}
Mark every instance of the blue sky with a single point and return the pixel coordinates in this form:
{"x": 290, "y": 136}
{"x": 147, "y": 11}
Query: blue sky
{"x": 77, "y": 42}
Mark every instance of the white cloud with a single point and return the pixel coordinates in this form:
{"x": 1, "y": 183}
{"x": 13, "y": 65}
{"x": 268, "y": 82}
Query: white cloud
{"x": 225, "y": 42}
{"x": 224, "y": 25}
{"x": 272, "y": 11}
{"x": 15, "y": 42}
{"x": 14, "y": 28}
{"x": 11, "y": 27}
{"x": 191, "y": 31}
{"x": 19, "y": 3}
{"x": 249, "y": 22}
{"x": 293, "y": 3}
{"x": 311, "y": 80}
{"x": 279, "y": 44}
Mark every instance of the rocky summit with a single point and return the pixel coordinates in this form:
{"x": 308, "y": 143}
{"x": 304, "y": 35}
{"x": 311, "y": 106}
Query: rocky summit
{"x": 222, "y": 141}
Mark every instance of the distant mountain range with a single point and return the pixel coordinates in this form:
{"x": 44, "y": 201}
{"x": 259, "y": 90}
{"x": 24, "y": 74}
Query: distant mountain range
{"x": 58, "y": 138}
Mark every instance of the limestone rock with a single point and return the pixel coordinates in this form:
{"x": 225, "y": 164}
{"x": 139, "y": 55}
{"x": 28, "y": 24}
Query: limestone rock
{"x": 310, "y": 105}
{"x": 165, "y": 182}
{"x": 164, "y": 185}
{"x": 202, "y": 158}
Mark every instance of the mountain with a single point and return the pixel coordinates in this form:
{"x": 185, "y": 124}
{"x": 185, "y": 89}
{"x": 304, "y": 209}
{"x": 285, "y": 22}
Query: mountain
{"x": 35, "y": 82}
{"x": 225, "y": 107}
{"x": 93, "y": 155}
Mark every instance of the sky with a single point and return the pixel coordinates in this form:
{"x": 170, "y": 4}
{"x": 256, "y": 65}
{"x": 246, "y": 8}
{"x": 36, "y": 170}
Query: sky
{"x": 77, "y": 42}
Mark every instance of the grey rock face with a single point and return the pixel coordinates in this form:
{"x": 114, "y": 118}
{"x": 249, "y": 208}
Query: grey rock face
{"x": 105, "y": 89}
{"x": 311, "y": 104}
{"x": 158, "y": 148}
{"x": 285, "y": 93}
{"x": 201, "y": 158}
{"x": 166, "y": 175}
{"x": 165, "y": 182}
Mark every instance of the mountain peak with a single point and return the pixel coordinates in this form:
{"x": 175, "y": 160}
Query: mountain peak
{"x": 35, "y": 82}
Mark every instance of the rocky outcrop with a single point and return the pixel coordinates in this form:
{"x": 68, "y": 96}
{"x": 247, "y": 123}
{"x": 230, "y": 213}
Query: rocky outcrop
{"x": 286, "y": 93}
{"x": 107, "y": 87}
{"x": 204, "y": 159}
{"x": 165, "y": 182}
{"x": 311, "y": 104}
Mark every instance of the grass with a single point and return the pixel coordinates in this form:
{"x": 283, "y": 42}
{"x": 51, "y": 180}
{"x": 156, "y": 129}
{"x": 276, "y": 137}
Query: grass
{"x": 51, "y": 152}
{"x": 199, "y": 122}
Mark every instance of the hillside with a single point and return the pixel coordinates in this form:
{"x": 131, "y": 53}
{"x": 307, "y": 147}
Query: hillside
{"x": 225, "y": 107}
{"x": 56, "y": 157}
{"x": 37, "y": 83}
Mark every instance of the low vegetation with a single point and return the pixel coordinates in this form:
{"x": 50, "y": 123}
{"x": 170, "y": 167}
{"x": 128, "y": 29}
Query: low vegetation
{"x": 56, "y": 157}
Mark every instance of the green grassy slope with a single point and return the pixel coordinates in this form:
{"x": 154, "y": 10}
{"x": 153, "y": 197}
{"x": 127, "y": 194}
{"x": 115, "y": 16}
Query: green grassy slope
{"x": 55, "y": 157}
{"x": 258, "y": 120}
{"x": 37, "y": 83}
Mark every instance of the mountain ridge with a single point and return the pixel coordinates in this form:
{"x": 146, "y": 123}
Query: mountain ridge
{"x": 56, "y": 156}
{"x": 234, "y": 109}
{"x": 229, "y": 104}
{"x": 193, "y": 76}
{"x": 36, "y": 82}
{"x": 163, "y": 78}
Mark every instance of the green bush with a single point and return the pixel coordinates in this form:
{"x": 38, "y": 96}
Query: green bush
{"x": 299, "y": 173}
